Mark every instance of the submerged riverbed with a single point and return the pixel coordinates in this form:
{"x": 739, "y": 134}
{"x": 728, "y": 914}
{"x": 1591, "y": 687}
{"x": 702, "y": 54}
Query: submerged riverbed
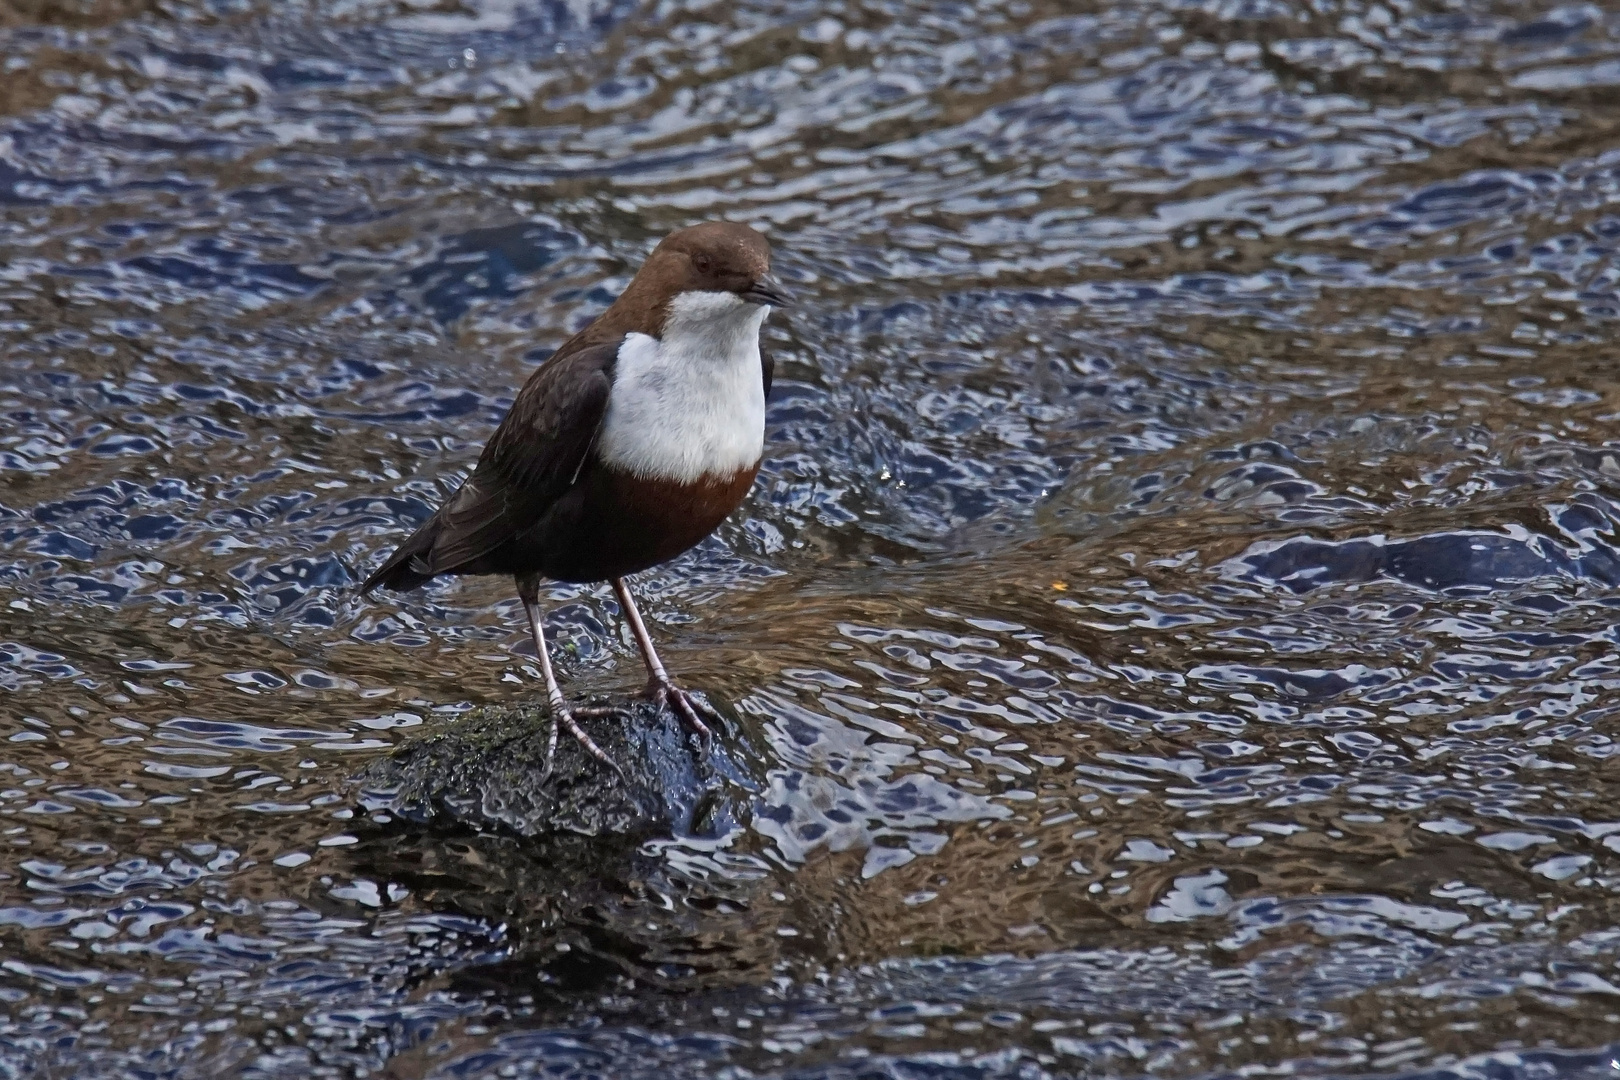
{"x": 1174, "y": 628}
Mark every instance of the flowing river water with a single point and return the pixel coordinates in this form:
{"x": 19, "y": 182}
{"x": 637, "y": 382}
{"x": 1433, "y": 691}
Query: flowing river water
{"x": 1175, "y": 620}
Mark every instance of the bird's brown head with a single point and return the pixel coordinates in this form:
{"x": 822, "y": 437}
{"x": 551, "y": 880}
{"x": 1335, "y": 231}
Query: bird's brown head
{"x": 717, "y": 257}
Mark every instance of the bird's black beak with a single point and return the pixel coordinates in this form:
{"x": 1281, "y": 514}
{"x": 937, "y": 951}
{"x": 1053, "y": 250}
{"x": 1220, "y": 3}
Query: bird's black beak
{"x": 767, "y": 290}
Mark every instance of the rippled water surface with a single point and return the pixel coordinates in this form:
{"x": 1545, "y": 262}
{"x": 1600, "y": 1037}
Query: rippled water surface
{"x": 1175, "y": 620}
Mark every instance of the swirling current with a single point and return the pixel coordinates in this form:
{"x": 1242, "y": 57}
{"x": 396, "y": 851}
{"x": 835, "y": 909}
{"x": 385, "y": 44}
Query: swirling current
{"x": 1176, "y": 615}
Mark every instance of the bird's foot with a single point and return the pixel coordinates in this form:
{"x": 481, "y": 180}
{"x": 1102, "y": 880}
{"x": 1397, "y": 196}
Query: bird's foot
{"x": 566, "y": 718}
{"x": 691, "y": 710}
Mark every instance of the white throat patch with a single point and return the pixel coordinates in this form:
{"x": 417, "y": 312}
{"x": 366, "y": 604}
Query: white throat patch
{"x": 692, "y": 403}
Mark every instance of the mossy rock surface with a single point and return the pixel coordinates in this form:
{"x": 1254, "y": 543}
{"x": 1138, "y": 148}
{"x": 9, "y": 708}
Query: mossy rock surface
{"x": 486, "y": 771}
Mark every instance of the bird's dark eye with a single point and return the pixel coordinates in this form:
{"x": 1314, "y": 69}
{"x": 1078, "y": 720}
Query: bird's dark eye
{"x": 702, "y": 263}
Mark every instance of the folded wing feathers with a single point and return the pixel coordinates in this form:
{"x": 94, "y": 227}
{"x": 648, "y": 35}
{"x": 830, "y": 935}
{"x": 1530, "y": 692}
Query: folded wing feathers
{"x": 535, "y": 455}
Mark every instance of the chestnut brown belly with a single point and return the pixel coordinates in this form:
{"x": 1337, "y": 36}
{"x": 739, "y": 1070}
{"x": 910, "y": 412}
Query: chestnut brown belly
{"x": 618, "y": 524}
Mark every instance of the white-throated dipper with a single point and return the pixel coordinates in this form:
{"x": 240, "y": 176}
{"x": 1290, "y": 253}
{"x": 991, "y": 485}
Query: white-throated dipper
{"x": 626, "y": 447}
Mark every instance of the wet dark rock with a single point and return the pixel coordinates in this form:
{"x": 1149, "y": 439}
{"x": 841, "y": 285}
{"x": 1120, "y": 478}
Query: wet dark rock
{"x": 560, "y": 864}
{"x": 486, "y": 771}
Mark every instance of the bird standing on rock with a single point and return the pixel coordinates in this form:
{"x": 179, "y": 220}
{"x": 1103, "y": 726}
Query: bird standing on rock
{"x": 626, "y": 447}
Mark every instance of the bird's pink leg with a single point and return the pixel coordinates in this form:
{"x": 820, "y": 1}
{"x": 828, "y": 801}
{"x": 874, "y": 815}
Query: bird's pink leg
{"x": 663, "y": 688}
{"x": 529, "y": 593}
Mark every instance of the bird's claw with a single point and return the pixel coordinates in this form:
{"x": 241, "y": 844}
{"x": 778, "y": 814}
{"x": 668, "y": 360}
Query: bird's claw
{"x": 566, "y": 717}
{"x": 603, "y": 710}
{"x": 691, "y": 710}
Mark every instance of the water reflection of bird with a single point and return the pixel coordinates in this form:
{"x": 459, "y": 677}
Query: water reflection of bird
{"x": 629, "y": 445}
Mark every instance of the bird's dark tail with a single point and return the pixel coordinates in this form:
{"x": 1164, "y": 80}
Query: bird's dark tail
{"x": 408, "y": 567}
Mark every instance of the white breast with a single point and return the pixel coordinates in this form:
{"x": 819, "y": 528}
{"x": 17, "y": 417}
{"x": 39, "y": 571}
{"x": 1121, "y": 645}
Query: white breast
{"x": 693, "y": 403}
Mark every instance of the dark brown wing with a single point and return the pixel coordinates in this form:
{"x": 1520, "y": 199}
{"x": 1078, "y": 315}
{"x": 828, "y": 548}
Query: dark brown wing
{"x": 532, "y": 459}
{"x": 768, "y": 369}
